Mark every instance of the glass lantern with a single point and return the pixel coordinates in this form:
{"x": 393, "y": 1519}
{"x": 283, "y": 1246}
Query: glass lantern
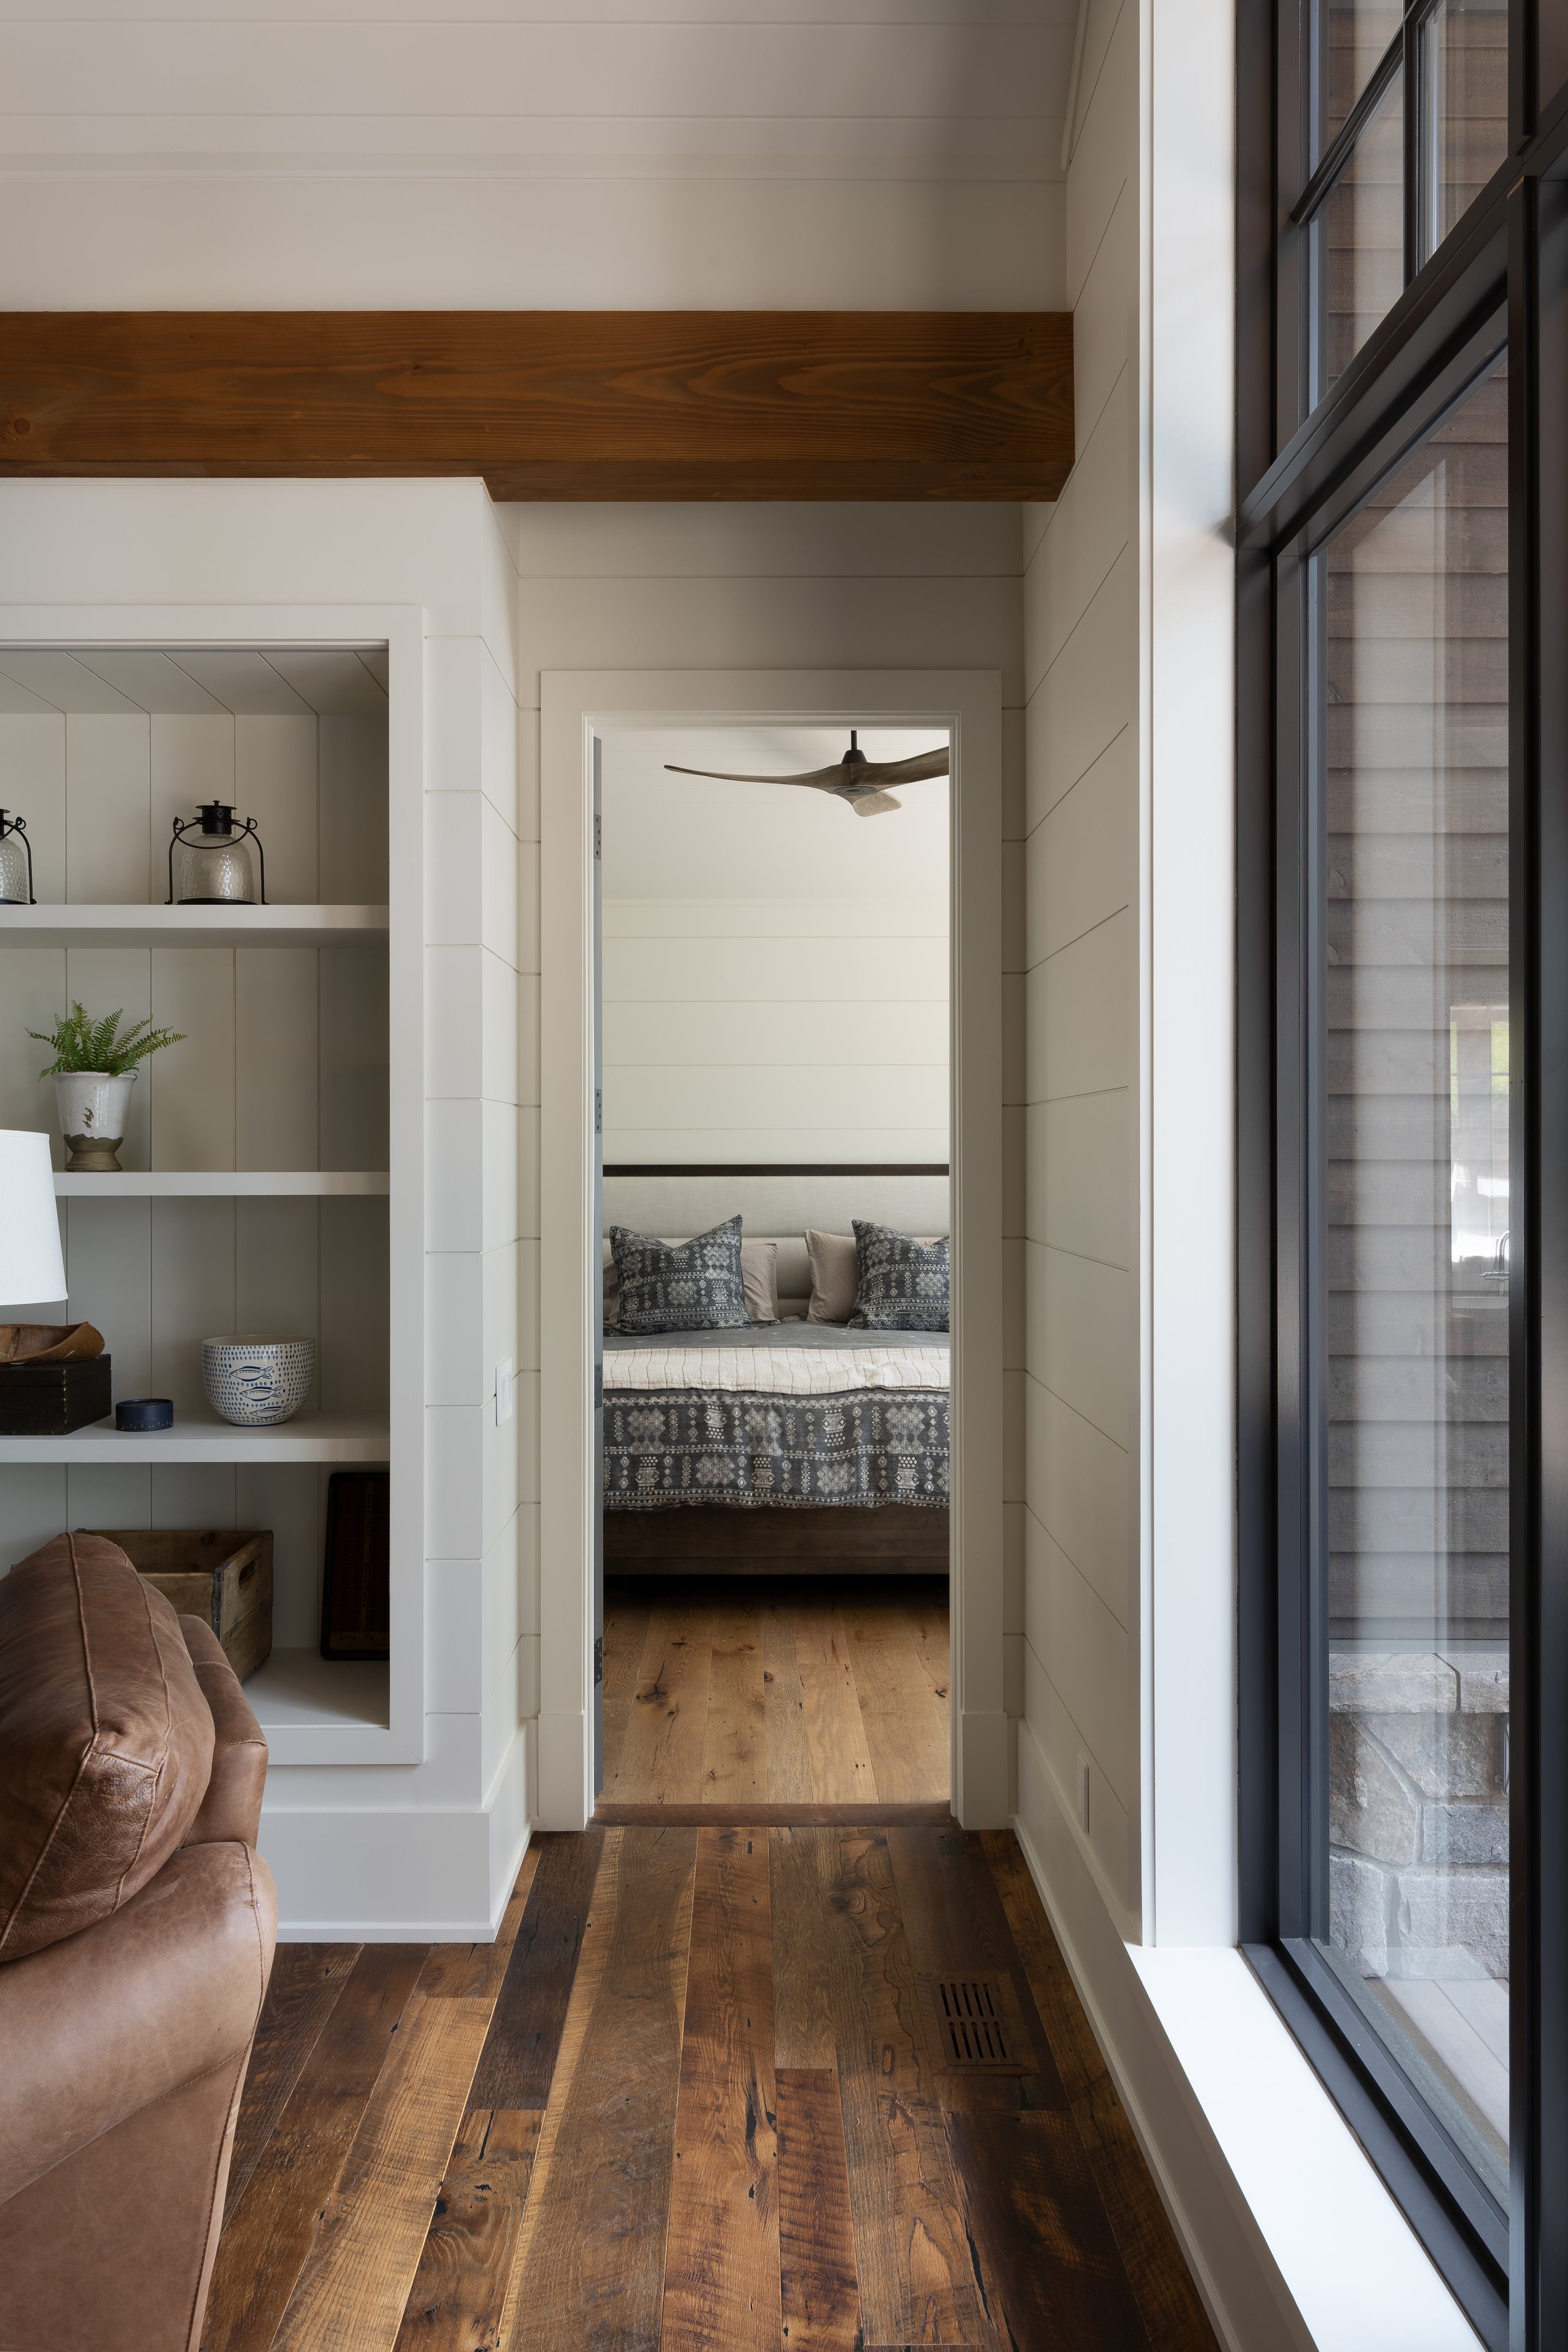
{"x": 209, "y": 860}
{"x": 16, "y": 862}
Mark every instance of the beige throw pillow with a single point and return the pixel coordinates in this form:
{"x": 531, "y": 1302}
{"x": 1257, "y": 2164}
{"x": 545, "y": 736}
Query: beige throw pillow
{"x": 835, "y": 1276}
{"x": 759, "y": 1280}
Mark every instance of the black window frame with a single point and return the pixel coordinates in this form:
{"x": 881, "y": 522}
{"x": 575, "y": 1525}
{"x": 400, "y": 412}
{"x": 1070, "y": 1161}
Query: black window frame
{"x": 1500, "y": 277}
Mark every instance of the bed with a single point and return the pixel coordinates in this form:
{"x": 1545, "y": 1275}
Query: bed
{"x": 776, "y": 1448}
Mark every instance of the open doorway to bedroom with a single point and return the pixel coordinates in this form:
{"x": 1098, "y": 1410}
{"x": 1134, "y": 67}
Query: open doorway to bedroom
{"x": 774, "y": 1001}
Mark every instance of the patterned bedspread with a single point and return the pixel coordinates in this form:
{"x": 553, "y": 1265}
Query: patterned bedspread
{"x": 859, "y": 1448}
{"x": 776, "y": 1416}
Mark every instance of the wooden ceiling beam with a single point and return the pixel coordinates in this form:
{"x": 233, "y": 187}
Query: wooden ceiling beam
{"x": 552, "y": 403}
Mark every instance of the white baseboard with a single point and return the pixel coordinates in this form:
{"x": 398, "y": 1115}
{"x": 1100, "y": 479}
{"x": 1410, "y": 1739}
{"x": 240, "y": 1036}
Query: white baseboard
{"x": 560, "y": 1798}
{"x": 412, "y": 1877}
{"x": 985, "y": 1769}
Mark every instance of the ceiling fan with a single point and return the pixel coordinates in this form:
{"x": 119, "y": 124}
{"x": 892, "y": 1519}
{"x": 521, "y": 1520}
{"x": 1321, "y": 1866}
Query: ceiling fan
{"x": 855, "y": 778}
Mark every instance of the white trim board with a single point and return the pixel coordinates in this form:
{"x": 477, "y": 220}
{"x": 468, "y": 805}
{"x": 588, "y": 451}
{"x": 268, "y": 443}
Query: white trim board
{"x": 574, "y": 704}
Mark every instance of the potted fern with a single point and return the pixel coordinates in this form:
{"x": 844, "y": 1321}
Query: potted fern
{"x": 94, "y": 1070}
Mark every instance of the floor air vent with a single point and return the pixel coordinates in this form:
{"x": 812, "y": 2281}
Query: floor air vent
{"x": 976, "y": 2027}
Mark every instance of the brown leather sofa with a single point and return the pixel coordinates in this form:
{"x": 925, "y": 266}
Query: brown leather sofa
{"x": 137, "y": 1923}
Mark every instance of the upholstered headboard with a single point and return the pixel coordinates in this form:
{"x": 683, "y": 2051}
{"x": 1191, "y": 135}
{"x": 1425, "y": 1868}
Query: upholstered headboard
{"x": 777, "y": 1208}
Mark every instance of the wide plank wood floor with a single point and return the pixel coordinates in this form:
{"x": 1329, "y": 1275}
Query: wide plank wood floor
{"x": 807, "y": 1691}
{"x": 813, "y": 2089}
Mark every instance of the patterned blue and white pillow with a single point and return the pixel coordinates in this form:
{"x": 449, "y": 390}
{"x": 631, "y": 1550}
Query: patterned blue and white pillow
{"x": 691, "y": 1286}
{"x": 903, "y": 1285}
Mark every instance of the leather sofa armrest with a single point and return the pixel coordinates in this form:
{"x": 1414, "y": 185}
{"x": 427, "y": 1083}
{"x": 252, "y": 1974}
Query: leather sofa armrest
{"x": 232, "y": 1806}
{"x": 94, "y": 2028}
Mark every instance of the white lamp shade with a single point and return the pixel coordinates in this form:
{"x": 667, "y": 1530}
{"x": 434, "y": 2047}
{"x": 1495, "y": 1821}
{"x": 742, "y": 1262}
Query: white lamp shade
{"x": 32, "y": 1271}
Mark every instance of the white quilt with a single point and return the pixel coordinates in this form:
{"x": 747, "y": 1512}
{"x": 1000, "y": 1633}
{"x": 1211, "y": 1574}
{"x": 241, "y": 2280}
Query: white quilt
{"x": 776, "y": 1371}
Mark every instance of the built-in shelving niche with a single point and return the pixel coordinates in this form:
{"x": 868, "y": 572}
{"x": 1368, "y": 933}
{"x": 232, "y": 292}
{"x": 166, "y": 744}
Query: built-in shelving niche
{"x": 255, "y": 1191}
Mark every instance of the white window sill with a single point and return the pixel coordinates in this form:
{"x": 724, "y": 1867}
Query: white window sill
{"x": 1360, "y": 2277}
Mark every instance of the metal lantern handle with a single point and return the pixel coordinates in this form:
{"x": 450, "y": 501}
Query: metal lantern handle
{"x": 246, "y": 830}
{"x": 19, "y": 824}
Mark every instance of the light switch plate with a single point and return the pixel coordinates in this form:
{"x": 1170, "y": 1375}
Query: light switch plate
{"x": 503, "y": 1391}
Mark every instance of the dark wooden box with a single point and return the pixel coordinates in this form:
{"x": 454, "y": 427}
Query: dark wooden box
{"x": 51, "y": 1400}
{"x": 223, "y": 1575}
{"x": 355, "y": 1589}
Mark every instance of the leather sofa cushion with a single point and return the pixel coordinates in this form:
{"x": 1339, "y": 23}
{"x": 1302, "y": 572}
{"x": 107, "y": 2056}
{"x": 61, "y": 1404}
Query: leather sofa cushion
{"x": 106, "y": 1742}
{"x": 232, "y": 1806}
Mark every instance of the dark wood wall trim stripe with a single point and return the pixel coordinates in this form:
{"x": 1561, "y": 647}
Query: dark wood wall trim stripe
{"x": 803, "y": 1168}
{"x": 603, "y": 405}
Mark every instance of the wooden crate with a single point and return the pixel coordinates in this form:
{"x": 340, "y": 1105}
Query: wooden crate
{"x": 223, "y": 1575}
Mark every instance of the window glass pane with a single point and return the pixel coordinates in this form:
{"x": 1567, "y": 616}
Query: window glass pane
{"x": 1353, "y": 36}
{"x": 1358, "y": 242}
{"x": 1412, "y": 1101}
{"x": 1464, "y": 109}
{"x": 1552, "y": 55}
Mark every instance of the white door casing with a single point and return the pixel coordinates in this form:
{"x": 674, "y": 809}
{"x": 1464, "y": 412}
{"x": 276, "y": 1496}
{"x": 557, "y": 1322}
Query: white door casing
{"x": 574, "y": 706}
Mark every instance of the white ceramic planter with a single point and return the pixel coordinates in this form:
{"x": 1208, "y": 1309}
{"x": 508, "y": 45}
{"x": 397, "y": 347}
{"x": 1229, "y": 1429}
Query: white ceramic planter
{"x": 93, "y": 1109}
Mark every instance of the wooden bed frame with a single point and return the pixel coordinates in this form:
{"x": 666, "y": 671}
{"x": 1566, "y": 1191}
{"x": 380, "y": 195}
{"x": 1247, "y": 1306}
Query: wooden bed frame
{"x": 894, "y": 1540}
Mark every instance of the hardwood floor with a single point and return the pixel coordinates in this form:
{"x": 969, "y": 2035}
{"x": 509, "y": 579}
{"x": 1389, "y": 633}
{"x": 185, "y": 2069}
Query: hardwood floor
{"x": 811, "y": 1691}
{"x": 812, "y": 2089}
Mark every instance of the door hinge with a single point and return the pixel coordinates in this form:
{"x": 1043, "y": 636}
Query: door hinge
{"x": 598, "y": 1657}
{"x": 598, "y": 834}
{"x": 598, "y": 1110}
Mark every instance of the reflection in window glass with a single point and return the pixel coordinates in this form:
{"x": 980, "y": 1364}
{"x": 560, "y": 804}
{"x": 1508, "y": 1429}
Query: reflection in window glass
{"x": 1358, "y": 242}
{"x": 1464, "y": 109}
{"x": 1412, "y": 1101}
{"x": 1353, "y": 36}
{"x": 1552, "y": 55}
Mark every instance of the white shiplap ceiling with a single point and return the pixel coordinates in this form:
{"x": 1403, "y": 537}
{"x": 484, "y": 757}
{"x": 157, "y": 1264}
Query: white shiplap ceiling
{"x": 624, "y": 87}
{"x": 286, "y": 681}
{"x": 322, "y": 122}
{"x": 693, "y": 837}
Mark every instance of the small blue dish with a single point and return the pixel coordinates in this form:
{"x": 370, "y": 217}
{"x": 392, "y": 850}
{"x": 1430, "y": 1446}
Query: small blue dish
{"x": 144, "y": 1412}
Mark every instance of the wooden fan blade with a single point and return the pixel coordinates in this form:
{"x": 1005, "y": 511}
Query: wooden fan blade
{"x": 826, "y": 780}
{"x": 873, "y": 803}
{"x": 906, "y": 771}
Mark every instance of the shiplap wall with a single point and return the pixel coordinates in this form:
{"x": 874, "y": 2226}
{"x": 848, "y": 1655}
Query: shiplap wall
{"x": 624, "y": 155}
{"x": 774, "y": 1029}
{"x": 282, "y": 1065}
{"x": 831, "y": 587}
{"x": 482, "y": 1267}
{"x": 1080, "y": 1385}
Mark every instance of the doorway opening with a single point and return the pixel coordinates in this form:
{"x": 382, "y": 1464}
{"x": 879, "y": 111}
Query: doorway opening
{"x": 773, "y": 1088}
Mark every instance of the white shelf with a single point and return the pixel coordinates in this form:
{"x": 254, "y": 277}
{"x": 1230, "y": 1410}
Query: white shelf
{"x": 203, "y": 1437}
{"x": 300, "y": 1690}
{"x": 193, "y": 927}
{"x": 225, "y": 1183}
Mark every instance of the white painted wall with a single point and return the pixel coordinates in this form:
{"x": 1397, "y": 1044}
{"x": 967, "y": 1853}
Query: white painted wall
{"x": 752, "y": 1030}
{"x": 776, "y": 968}
{"x": 820, "y": 587}
{"x": 1080, "y": 1406}
{"x": 621, "y": 154}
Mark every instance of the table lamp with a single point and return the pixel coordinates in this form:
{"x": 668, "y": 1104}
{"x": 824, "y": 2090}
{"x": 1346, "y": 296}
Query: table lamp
{"x": 54, "y": 1378}
{"x": 32, "y": 1270}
